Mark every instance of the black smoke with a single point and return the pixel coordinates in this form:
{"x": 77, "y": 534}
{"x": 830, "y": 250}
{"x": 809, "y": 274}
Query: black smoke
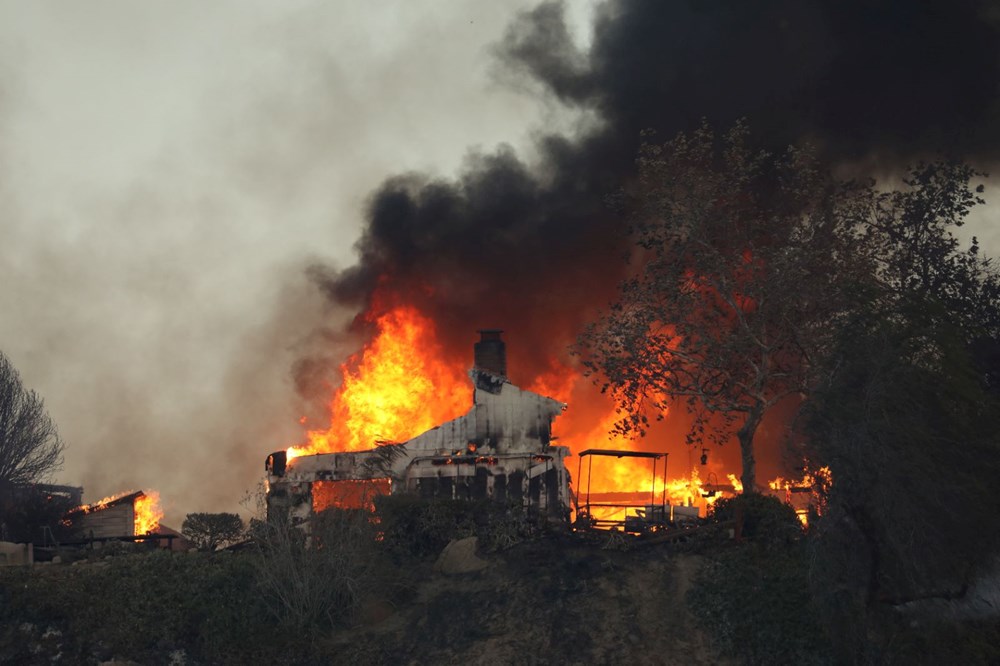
{"x": 534, "y": 249}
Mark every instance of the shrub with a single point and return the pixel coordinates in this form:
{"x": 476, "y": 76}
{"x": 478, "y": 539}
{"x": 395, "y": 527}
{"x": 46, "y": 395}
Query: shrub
{"x": 319, "y": 580}
{"x": 755, "y": 602}
{"x": 412, "y": 527}
{"x": 142, "y": 607}
{"x": 208, "y": 531}
{"x": 764, "y": 518}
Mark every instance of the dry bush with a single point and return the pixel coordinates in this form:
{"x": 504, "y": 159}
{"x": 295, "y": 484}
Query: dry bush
{"x": 319, "y": 579}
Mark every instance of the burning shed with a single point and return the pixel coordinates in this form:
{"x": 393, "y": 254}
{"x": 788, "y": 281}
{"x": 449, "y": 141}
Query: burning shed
{"x": 501, "y": 449}
{"x": 125, "y": 515}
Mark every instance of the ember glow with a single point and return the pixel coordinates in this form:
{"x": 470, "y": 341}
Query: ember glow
{"x": 811, "y": 479}
{"x": 348, "y": 494}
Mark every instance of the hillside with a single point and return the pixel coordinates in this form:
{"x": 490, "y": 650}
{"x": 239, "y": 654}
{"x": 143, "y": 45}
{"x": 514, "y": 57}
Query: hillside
{"x": 552, "y": 600}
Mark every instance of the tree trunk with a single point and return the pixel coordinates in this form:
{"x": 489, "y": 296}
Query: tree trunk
{"x": 745, "y": 436}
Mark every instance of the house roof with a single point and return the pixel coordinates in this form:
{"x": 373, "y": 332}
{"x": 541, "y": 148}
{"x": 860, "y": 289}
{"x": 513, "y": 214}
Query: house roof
{"x": 108, "y": 502}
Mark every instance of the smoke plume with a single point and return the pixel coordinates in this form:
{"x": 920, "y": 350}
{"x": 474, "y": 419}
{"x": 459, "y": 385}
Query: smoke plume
{"x": 532, "y": 247}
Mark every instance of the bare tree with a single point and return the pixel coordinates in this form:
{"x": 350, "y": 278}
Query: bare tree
{"x": 732, "y": 292}
{"x": 30, "y": 448}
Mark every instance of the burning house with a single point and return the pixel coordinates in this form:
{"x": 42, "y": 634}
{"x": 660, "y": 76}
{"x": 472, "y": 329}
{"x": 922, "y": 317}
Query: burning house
{"x": 393, "y": 430}
{"x": 501, "y": 450}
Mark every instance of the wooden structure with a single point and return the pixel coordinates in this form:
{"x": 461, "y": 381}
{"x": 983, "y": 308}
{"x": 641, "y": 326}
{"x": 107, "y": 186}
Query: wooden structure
{"x": 106, "y": 519}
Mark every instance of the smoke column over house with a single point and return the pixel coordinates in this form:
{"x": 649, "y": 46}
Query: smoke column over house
{"x": 532, "y": 247}
{"x": 176, "y": 167}
{"x": 166, "y": 172}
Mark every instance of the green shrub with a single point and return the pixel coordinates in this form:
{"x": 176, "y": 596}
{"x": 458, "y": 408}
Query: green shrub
{"x": 902, "y": 641}
{"x": 208, "y": 531}
{"x": 755, "y": 602}
{"x": 142, "y": 607}
{"x": 764, "y": 518}
{"x": 412, "y": 527}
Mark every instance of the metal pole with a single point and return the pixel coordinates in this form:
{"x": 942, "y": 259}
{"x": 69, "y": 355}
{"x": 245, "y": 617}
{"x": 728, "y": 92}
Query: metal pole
{"x": 652, "y": 488}
{"x": 579, "y": 483}
{"x": 666, "y": 459}
{"x": 590, "y": 475}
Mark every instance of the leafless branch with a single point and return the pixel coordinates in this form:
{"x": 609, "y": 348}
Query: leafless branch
{"x": 30, "y": 447}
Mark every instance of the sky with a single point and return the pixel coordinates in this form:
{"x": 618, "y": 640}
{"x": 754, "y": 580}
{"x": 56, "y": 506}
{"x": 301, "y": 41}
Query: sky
{"x": 168, "y": 171}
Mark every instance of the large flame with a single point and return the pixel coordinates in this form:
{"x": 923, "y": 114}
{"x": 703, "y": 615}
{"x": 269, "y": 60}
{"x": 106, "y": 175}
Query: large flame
{"x": 397, "y": 387}
{"x": 147, "y": 513}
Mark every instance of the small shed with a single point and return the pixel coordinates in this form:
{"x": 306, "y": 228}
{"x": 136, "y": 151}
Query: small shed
{"x": 111, "y": 517}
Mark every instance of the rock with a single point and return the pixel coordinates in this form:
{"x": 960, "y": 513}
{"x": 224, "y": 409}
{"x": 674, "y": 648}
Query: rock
{"x": 459, "y": 557}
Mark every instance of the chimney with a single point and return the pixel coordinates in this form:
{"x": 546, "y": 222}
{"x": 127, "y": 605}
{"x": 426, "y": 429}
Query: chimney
{"x": 491, "y": 352}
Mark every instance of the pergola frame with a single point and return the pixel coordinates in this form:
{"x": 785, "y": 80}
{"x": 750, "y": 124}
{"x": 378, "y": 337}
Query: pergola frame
{"x": 618, "y": 453}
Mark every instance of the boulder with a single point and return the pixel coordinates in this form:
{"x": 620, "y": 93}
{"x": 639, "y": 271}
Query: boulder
{"x": 459, "y": 557}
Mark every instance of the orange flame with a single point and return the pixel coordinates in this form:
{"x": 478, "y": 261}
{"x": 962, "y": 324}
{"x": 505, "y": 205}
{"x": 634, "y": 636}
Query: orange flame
{"x": 806, "y": 493}
{"x": 397, "y": 387}
{"x": 102, "y": 503}
{"x": 145, "y": 508}
{"x": 147, "y": 513}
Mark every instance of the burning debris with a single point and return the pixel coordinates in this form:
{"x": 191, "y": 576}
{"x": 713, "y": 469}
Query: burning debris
{"x": 806, "y": 494}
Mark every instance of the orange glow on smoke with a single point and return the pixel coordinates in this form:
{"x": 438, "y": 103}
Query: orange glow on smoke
{"x": 395, "y": 388}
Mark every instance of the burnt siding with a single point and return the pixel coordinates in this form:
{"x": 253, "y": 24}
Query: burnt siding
{"x": 114, "y": 521}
